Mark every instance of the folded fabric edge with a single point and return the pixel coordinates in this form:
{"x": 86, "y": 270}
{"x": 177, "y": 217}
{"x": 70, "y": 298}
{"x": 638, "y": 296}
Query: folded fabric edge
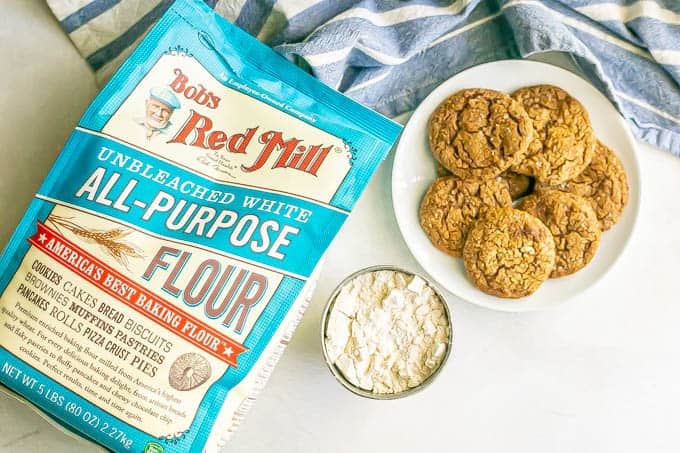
{"x": 661, "y": 138}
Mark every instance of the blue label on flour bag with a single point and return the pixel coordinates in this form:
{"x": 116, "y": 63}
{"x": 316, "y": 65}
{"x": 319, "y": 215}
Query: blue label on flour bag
{"x": 157, "y": 275}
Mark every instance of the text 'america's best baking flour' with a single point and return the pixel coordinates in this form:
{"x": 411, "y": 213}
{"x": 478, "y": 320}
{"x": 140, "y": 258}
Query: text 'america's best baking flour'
{"x": 159, "y": 272}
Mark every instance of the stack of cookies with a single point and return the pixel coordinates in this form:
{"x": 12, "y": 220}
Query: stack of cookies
{"x": 535, "y": 149}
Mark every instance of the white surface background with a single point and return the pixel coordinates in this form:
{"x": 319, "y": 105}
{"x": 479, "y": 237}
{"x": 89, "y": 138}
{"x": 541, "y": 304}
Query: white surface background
{"x": 598, "y": 374}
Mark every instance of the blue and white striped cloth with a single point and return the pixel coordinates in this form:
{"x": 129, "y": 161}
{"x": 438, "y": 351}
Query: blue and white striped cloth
{"x": 390, "y": 54}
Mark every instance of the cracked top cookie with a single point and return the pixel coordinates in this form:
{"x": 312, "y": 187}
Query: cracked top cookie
{"x": 603, "y": 183}
{"x": 451, "y": 205}
{"x": 573, "y": 224}
{"x": 508, "y": 253}
{"x": 563, "y": 143}
{"x": 479, "y": 133}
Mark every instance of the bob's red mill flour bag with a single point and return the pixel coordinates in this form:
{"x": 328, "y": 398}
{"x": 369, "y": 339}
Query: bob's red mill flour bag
{"x": 157, "y": 275}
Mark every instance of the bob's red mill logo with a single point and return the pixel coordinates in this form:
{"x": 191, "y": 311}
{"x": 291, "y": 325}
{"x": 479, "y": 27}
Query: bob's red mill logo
{"x": 282, "y": 152}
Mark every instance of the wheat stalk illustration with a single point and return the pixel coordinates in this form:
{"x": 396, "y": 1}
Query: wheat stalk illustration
{"x": 110, "y": 241}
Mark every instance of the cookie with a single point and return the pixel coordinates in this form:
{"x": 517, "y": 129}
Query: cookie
{"x": 508, "y": 253}
{"x": 603, "y": 183}
{"x": 478, "y": 133}
{"x": 451, "y": 205}
{"x": 563, "y": 143}
{"x": 573, "y": 224}
{"x": 518, "y": 185}
{"x": 189, "y": 371}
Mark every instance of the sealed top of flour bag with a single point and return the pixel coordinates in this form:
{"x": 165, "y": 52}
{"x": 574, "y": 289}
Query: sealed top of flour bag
{"x": 161, "y": 267}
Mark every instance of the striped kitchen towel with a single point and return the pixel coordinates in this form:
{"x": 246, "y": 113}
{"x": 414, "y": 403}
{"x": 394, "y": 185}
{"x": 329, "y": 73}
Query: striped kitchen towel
{"x": 390, "y": 54}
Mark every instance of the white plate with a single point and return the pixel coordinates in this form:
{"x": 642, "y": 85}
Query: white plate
{"x": 415, "y": 168}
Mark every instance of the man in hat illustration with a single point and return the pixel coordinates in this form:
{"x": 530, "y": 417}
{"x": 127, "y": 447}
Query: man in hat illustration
{"x": 161, "y": 104}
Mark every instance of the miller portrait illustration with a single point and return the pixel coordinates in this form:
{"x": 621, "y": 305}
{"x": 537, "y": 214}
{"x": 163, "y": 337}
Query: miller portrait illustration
{"x": 159, "y": 108}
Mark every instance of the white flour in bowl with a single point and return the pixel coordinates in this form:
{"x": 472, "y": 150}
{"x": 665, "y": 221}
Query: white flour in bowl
{"x": 387, "y": 331}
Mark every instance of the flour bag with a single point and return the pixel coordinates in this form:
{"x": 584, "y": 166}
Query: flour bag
{"x": 161, "y": 268}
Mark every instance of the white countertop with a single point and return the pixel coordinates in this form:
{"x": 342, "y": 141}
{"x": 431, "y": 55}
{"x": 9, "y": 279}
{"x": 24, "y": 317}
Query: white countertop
{"x": 600, "y": 373}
